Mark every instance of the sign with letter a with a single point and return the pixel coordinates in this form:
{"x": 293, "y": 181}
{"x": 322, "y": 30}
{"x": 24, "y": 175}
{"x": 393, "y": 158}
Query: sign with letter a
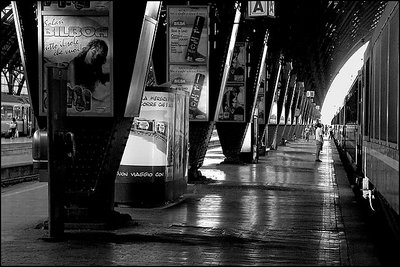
{"x": 261, "y": 8}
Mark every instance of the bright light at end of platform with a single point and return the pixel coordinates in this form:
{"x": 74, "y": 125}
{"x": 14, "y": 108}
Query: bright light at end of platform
{"x": 341, "y": 85}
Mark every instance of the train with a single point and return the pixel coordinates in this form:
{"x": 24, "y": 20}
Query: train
{"x": 18, "y": 107}
{"x": 366, "y": 128}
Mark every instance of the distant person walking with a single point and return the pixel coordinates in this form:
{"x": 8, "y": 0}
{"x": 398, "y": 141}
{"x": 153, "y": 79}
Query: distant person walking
{"x": 330, "y": 132}
{"x": 307, "y": 134}
{"x": 319, "y": 141}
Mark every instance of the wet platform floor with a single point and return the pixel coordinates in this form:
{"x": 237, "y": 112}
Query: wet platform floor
{"x": 285, "y": 210}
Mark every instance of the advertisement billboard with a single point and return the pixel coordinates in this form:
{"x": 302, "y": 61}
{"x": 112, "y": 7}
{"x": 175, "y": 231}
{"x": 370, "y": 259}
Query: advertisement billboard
{"x": 81, "y": 45}
{"x": 188, "y": 55}
{"x": 152, "y": 134}
{"x": 233, "y": 103}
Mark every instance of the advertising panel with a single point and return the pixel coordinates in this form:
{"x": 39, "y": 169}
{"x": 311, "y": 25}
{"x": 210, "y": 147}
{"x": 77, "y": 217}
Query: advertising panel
{"x": 81, "y": 45}
{"x": 238, "y": 64}
{"x": 192, "y": 79}
{"x": 233, "y": 103}
{"x": 187, "y": 57}
{"x": 188, "y": 34}
{"x": 261, "y": 108}
{"x": 261, "y": 99}
{"x": 152, "y": 134}
{"x": 274, "y": 114}
{"x": 282, "y": 119}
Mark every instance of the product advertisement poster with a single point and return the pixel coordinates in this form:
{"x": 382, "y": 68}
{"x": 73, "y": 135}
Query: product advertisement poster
{"x": 152, "y": 136}
{"x": 188, "y": 34}
{"x": 194, "y": 80}
{"x": 82, "y": 46}
{"x": 187, "y": 57}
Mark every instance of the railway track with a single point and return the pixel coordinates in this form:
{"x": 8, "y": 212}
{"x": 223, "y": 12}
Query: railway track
{"x": 15, "y": 180}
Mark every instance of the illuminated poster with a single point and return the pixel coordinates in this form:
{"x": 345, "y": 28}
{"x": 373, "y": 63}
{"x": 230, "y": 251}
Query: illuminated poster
{"x": 233, "y": 104}
{"x": 274, "y": 114}
{"x": 188, "y": 50}
{"x": 188, "y": 34}
{"x": 289, "y": 119}
{"x": 192, "y": 79}
{"x": 82, "y": 47}
{"x": 152, "y": 135}
{"x": 282, "y": 119}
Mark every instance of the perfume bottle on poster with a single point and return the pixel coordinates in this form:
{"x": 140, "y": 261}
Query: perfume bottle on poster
{"x": 87, "y": 99}
{"x": 78, "y": 99}
{"x": 192, "y": 55}
{"x": 195, "y": 96}
{"x": 70, "y": 95}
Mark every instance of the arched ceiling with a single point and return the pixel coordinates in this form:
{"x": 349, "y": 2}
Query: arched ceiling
{"x": 9, "y": 44}
{"x": 318, "y": 36}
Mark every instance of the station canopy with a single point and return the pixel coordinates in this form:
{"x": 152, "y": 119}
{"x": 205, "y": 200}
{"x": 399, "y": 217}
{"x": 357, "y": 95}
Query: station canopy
{"x": 318, "y": 37}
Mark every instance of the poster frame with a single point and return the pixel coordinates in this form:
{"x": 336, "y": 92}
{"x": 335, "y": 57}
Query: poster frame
{"x": 236, "y": 83}
{"x": 206, "y": 27}
{"x": 65, "y": 12}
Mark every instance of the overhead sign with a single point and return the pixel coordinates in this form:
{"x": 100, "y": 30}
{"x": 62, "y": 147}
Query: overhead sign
{"x": 261, "y": 8}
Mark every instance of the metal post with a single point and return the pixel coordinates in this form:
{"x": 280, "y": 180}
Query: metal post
{"x": 56, "y": 114}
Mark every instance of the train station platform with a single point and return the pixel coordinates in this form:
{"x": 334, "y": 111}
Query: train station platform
{"x": 285, "y": 210}
{"x": 16, "y": 151}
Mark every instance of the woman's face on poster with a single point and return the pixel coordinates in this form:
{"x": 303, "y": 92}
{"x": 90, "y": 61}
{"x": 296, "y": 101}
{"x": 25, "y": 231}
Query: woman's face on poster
{"x": 96, "y": 56}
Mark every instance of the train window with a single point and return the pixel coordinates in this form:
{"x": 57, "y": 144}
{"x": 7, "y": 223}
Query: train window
{"x": 3, "y": 113}
{"x": 18, "y": 112}
{"x": 8, "y": 113}
{"x": 366, "y": 100}
{"x": 375, "y": 91}
{"x": 394, "y": 78}
{"x": 384, "y": 81}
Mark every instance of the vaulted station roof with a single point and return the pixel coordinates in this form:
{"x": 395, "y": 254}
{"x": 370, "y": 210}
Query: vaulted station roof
{"x": 318, "y": 36}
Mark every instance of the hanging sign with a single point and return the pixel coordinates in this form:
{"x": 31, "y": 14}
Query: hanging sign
{"x": 261, "y": 9}
{"x": 310, "y": 93}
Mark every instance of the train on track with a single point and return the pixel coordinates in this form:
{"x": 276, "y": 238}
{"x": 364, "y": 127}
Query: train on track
{"x": 18, "y": 107}
{"x": 366, "y": 128}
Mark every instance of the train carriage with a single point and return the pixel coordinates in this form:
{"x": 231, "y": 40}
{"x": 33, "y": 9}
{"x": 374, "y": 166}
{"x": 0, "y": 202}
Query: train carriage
{"x": 367, "y": 126}
{"x": 17, "y": 107}
{"x": 381, "y": 107}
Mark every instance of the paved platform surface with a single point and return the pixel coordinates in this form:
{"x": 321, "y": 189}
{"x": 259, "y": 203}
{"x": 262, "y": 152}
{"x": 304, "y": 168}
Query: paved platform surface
{"x": 285, "y": 210}
{"x": 16, "y": 151}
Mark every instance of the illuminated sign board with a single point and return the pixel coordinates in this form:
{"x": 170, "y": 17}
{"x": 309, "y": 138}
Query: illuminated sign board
{"x": 261, "y": 9}
{"x": 310, "y": 93}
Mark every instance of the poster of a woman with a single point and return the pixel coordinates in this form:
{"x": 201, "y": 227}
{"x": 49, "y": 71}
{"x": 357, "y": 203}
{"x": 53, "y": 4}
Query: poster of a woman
{"x": 80, "y": 46}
